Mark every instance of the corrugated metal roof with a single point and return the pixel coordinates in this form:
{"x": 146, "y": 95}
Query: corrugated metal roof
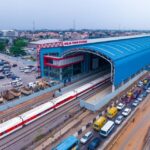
{"x": 121, "y": 48}
{"x": 129, "y": 56}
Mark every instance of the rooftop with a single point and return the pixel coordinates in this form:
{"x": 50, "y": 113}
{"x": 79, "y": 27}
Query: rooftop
{"x": 85, "y": 41}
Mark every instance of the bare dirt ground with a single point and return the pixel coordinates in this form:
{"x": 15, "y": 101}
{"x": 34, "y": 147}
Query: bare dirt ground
{"x": 133, "y": 136}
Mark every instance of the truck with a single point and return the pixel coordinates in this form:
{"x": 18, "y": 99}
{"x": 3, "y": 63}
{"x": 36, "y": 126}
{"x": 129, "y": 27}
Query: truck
{"x": 7, "y": 95}
{"x": 26, "y": 91}
{"x": 112, "y": 112}
{"x": 15, "y": 92}
{"x": 98, "y": 124}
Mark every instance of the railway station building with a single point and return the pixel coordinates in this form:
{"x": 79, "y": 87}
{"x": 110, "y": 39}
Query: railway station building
{"x": 123, "y": 57}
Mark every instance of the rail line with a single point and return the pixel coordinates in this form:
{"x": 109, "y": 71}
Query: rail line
{"x": 48, "y": 119}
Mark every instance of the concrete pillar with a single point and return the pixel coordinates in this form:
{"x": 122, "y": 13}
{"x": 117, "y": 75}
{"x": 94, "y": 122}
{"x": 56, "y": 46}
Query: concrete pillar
{"x": 60, "y": 74}
{"x": 113, "y": 88}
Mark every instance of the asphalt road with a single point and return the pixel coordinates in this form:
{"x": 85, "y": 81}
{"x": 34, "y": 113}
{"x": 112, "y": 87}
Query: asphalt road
{"x": 103, "y": 139}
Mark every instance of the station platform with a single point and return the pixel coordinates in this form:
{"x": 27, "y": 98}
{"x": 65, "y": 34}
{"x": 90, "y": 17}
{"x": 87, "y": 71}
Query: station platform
{"x": 99, "y": 96}
{"x": 98, "y": 101}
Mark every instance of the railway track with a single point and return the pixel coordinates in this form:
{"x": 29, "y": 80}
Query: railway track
{"x": 21, "y": 108}
{"x": 31, "y": 128}
{"x": 30, "y": 131}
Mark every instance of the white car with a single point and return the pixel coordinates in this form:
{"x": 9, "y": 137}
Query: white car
{"x": 148, "y": 90}
{"x": 140, "y": 98}
{"x": 31, "y": 85}
{"x": 135, "y": 103}
{"x": 126, "y": 111}
{"x": 27, "y": 71}
{"x": 120, "y": 106}
{"x": 17, "y": 84}
{"x": 119, "y": 119}
{"x": 86, "y": 137}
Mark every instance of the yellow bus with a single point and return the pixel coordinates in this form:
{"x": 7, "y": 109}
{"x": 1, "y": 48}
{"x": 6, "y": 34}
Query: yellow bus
{"x": 112, "y": 112}
{"x": 98, "y": 124}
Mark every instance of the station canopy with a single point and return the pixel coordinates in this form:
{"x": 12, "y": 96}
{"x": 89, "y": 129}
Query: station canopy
{"x": 128, "y": 56}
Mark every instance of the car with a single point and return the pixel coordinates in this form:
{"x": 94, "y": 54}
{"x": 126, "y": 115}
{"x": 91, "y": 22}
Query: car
{"x": 30, "y": 66}
{"x": 6, "y": 69}
{"x": 148, "y": 90}
{"x": 13, "y": 77}
{"x": 17, "y": 84}
{"x": 119, "y": 119}
{"x": 14, "y": 65}
{"x": 135, "y": 103}
{"x": 27, "y": 71}
{"x": 126, "y": 111}
{"x": 86, "y": 137}
{"x": 120, "y": 106}
{"x": 140, "y": 98}
{"x": 21, "y": 69}
{"x": 2, "y": 77}
{"x": 144, "y": 94}
{"x": 31, "y": 85}
{"x": 94, "y": 143}
{"x": 140, "y": 82}
{"x": 27, "y": 68}
{"x": 38, "y": 77}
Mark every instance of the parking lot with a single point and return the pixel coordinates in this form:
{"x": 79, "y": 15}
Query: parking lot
{"x": 131, "y": 104}
{"x": 25, "y": 77}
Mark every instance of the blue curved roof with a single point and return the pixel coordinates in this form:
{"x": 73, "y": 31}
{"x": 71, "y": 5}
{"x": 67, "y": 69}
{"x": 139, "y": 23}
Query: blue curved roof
{"x": 123, "y": 48}
{"x": 129, "y": 56}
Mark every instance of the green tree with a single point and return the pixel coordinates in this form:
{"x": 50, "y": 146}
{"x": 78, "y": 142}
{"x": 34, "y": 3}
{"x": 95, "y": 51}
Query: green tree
{"x": 17, "y": 48}
{"x": 17, "y": 51}
{"x": 2, "y": 46}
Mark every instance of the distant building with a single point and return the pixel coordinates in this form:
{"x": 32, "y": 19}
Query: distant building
{"x": 9, "y": 33}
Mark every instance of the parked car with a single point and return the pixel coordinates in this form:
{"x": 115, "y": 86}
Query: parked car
{"x": 148, "y": 90}
{"x": 120, "y": 106}
{"x": 2, "y": 77}
{"x": 14, "y": 65}
{"x": 126, "y": 111}
{"x": 135, "y": 103}
{"x": 17, "y": 84}
{"x": 31, "y": 85}
{"x": 27, "y": 71}
{"x": 13, "y": 77}
{"x": 140, "y": 98}
{"x": 21, "y": 69}
{"x": 86, "y": 137}
{"x": 94, "y": 143}
{"x": 144, "y": 94}
{"x": 38, "y": 77}
{"x": 119, "y": 119}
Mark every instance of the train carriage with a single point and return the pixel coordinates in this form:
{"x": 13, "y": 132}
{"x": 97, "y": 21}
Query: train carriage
{"x": 65, "y": 98}
{"x": 10, "y": 126}
{"x": 37, "y": 112}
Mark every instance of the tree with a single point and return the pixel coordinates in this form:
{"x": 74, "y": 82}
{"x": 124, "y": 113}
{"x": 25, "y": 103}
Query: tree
{"x": 17, "y": 48}
{"x": 2, "y": 46}
{"x": 17, "y": 51}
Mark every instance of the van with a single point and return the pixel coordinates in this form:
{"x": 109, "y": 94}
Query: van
{"x": 112, "y": 112}
{"x": 98, "y": 124}
{"x": 107, "y": 128}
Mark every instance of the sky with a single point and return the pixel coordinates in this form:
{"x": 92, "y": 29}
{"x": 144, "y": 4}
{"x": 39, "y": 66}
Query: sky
{"x": 81, "y": 14}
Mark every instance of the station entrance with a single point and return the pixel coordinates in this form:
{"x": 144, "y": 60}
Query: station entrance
{"x": 76, "y": 64}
